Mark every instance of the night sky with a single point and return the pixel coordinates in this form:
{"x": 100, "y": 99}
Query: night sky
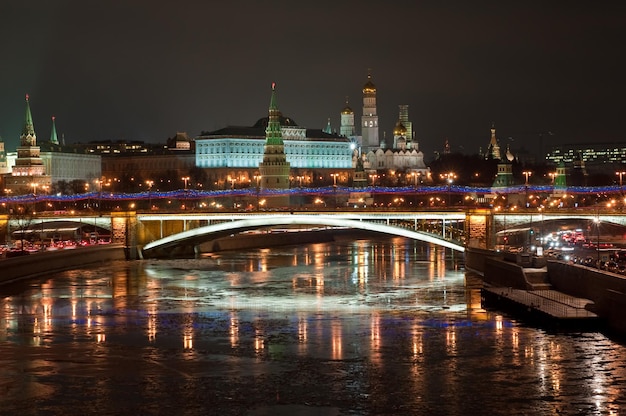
{"x": 145, "y": 69}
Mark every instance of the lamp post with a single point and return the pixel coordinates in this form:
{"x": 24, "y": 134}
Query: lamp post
{"x": 449, "y": 177}
{"x": 257, "y": 178}
{"x": 620, "y": 174}
{"x": 185, "y": 179}
{"x": 149, "y": 183}
{"x": 526, "y": 173}
{"x": 597, "y": 222}
{"x": 334, "y": 175}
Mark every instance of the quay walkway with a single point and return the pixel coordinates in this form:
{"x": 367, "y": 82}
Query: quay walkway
{"x": 547, "y": 306}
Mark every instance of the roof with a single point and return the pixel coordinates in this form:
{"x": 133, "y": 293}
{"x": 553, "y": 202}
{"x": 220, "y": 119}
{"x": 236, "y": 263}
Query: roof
{"x": 259, "y": 133}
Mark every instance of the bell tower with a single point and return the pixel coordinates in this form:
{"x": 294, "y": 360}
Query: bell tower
{"x": 369, "y": 120}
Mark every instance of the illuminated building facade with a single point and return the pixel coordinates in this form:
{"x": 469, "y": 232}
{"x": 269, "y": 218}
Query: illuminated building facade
{"x": 235, "y": 153}
{"x": 599, "y": 156}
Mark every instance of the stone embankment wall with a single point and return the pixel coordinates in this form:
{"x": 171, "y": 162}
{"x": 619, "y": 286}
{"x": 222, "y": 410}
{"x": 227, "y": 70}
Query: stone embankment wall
{"x": 606, "y": 290}
{"x": 40, "y": 264}
{"x": 504, "y": 274}
{"x": 476, "y": 258}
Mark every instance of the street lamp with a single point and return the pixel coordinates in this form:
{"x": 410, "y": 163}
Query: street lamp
{"x": 597, "y": 221}
{"x": 149, "y": 183}
{"x": 527, "y": 173}
{"x": 334, "y": 175}
{"x": 257, "y": 178}
{"x": 450, "y": 177}
{"x": 620, "y": 174}
{"x": 416, "y": 175}
{"x": 185, "y": 179}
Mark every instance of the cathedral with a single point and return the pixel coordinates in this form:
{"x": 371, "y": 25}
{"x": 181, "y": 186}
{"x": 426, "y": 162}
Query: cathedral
{"x": 402, "y": 156}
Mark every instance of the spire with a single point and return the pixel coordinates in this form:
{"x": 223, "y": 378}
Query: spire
{"x": 328, "y": 129}
{"x": 28, "y": 120}
{"x": 273, "y": 101}
{"x": 493, "y": 149}
{"x": 274, "y": 168}
{"x": 273, "y": 132}
{"x": 53, "y": 133}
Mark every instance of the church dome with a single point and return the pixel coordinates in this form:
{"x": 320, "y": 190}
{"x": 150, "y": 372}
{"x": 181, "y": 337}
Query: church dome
{"x": 347, "y": 110}
{"x": 509, "y": 155}
{"x": 369, "y": 86}
{"x": 399, "y": 129}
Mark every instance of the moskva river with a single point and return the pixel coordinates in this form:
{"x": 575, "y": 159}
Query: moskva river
{"x": 367, "y": 327}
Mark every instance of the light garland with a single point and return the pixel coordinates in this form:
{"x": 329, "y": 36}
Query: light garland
{"x": 193, "y": 194}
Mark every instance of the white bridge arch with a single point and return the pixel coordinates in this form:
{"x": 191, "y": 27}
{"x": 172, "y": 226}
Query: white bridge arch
{"x": 201, "y": 234}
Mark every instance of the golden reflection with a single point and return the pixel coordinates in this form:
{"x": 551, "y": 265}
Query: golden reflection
{"x": 152, "y": 324}
{"x": 499, "y": 324}
{"x": 375, "y": 339}
{"x": 234, "y": 329}
{"x": 263, "y": 256}
{"x": 336, "y": 340}
{"x": 101, "y": 338}
{"x": 187, "y": 340}
{"x": 259, "y": 342}
{"x": 46, "y": 303}
{"x": 360, "y": 260}
{"x": 515, "y": 345}
{"x": 451, "y": 340}
{"x": 417, "y": 343}
{"x": 303, "y": 333}
{"x": 188, "y": 332}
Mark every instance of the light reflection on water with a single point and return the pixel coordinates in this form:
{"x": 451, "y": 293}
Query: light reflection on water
{"x": 378, "y": 327}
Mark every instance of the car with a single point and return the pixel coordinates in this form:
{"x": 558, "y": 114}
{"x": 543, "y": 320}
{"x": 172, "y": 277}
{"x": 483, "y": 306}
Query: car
{"x": 611, "y": 266}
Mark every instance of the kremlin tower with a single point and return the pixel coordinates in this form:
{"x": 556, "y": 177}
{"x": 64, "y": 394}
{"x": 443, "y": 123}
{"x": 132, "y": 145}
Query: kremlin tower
{"x": 29, "y": 172}
{"x": 274, "y": 168}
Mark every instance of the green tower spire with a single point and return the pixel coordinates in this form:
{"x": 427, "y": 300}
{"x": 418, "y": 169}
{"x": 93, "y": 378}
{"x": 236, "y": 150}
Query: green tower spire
{"x": 53, "y": 133}
{"x": 28, "y": 128}
{"x": 273, "y": 133}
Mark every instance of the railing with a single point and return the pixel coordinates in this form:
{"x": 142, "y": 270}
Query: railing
{"x": 554, "y": 303}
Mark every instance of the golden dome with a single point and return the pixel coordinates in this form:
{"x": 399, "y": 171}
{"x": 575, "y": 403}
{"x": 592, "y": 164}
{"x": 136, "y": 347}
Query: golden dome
{"x": 369, "y": 85}
{"x": 347, "y": 110}
{"x": 399, "y": 129}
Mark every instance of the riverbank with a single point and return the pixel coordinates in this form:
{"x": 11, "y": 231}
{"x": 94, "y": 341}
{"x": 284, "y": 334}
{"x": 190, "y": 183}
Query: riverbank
{"x": 605, "y": 291}
{"x": 39, "y": 264}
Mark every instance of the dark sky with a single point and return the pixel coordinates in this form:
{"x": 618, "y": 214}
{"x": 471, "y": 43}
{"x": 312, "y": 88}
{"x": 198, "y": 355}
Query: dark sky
{"x": 145, "y": 69}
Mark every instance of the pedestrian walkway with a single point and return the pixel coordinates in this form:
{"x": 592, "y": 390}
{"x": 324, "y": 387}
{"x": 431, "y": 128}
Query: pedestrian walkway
{"x": 554, "y": 304}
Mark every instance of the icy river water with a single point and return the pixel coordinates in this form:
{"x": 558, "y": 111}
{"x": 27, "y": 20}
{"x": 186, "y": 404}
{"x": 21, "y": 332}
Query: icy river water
{"x": 367, "y": 327}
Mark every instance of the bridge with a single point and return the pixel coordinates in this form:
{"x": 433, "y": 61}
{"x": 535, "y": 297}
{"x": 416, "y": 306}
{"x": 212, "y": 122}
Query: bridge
{"x": 403, "y": 225}
{"x": 156, "y": 232}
